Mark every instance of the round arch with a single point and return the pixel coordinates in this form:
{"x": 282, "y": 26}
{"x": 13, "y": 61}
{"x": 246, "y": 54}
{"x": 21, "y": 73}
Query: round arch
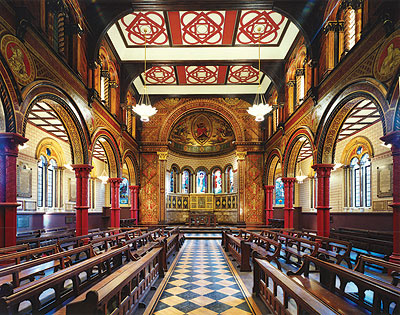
{"x": 9, "y": 99}
{"x": 111, "y": 150}
{"x": 273, "y": 159}
{"x": 339, "y": 109}
{"x": 196, "y": 105}
{"x": 352, "y": 146}
{"x": 293, "y": 148}
{"x": 133, "y": 167}
{"x": 176, "y": 167}
{"x": 66, "y": 110}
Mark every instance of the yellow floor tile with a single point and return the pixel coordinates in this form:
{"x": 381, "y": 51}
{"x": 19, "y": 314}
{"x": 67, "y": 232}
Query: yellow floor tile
{"x": 229, "y": 291}
{"x": 235, "y": 311}
{"x": 202, "y": 283}
{"x": 178, "y": 282}
{"x": 172, "y": 300}
{"x": 169, "y": 311}
{"x": 202, "y": 300}
{"x": 232, "y": 301}
{"x": 202, "y": 290}
{"x": 176, "y": 290}
{"x": 202, "y": 311}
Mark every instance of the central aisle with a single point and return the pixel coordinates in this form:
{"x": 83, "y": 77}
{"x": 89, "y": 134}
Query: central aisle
{"x": 202, "y": 282}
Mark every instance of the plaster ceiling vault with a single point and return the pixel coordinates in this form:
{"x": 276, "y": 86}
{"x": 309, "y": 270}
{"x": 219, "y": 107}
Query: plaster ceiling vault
{"x": 213, "y": 52}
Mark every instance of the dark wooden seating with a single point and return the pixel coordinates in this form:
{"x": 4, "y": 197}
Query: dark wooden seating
{"x": 240, "y": 250}
{"x": 127, "y": 222}
{"x": 76, "y": 241}
{"x": 122, "y": 291}
{"x": 385, "y": 300}
{"x": 267, "y": 279}
{"x": 13, "y": 249}
{"x": 30, "y": 254}
{"x": 29, "y": 269}
{"x": 393, "y": 268}
{"x": 329, "y": 248}
{"x": 94, "y": 268}
{"x": 276, "y": 223}
{"x": 48, "y": 239}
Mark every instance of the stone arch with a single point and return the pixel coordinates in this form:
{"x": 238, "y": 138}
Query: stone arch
{"x": 67, "y": 111}
{"x": 176, "y": 166}
{"x": 293, "y": 148}
{"x": 196, "y": 105}
{"x": 273, "y": 159}
{"x": 111, "y": 149}
{"x": 133, "y": 167}
{"x": 339, "y": 109}
{"x": 9, "y": 100}
{"x": 56, "y": 151}
{"x": 357, "y": 141}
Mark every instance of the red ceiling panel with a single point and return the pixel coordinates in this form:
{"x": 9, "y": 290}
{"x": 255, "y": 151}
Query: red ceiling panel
{"x": 161, "y": 75}
{"x": 201, "y": 74}
{"x": 242, "y": 75}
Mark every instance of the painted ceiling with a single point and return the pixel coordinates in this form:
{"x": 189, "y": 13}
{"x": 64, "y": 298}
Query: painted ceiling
{"x": 202, "y": 133}
{"x": 202, "y": 52}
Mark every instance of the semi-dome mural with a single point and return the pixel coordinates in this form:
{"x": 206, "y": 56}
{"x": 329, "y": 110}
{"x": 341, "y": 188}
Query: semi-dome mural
{"x": 202, "y": 133}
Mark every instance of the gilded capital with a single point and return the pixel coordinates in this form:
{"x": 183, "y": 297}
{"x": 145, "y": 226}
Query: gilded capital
{"x": 241, "y": 155}
{"x": 162, "y": 156}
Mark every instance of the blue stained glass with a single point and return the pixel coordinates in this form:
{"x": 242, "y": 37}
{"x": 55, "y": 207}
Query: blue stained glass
{"x": 279, "y": 192}
{"x": 231, "y": 180}
{"x": 123, "y": 192}
{"x": 217, "y": 182}
{"x": 171, "y": 188}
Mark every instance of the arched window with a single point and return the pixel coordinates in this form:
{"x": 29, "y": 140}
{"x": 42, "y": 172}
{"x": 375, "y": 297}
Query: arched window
{"x": 41, "y": 180}
{"x": 349, "y": 28}
{"x": 173, "y": 181}
{"x": 279, "y": 192}
{"x": 185, "y": 182}
{"x": 229, "y": 180}
{"x": 124, "y": 191}
{"x": 217, "y": 181}
{"x": 300, "y": 85}
{"x": 51, "y": 184}
{"x": 201, "y": 181}
{"x": 360, "y": 182}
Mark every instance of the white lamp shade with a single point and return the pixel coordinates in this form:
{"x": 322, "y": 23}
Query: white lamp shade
{"x": 144, "y": 111}
{"x": 259, "y": 111}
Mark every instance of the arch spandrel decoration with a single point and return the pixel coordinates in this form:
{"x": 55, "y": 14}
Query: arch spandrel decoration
{"x": 112, "y": 153}
{"x": 202, "y": 133}
{"x": 274, "y": 158}
{"x": 50, "y": 149}
{"x": 350, "y": 150}
{"x": 130, "y": 160}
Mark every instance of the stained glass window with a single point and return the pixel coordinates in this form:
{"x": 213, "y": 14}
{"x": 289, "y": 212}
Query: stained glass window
{"x": 229, "y": 180}
{"x": 41, "y": 178}
{"x": 51, "y": 183}
{"x": 366, "y": 180}
{"x": 279, "y": 192}
{"x": 201, "y": 182}
{"x": 217, "y": 181}
{"x": 185, "y": 182}
{"x": 355, "y": 183}
{"x": 124, "y": 191}
{"x": 171, "y": 182}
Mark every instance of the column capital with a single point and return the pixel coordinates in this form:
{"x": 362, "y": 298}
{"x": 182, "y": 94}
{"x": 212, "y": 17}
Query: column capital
{"x": 323, "y": 170}
{"x": 115, "y": 180}
{"x": 134, "y": 188}
{"x": 9, "y": 142}
{"x": 82, "y": 170}
{"x": 162, "y": 156}
{"x": 393, "y": 138}
{"x": 288, "y": 180}
{"x": 269, "y": 188}
{"x": 241, "y": 155}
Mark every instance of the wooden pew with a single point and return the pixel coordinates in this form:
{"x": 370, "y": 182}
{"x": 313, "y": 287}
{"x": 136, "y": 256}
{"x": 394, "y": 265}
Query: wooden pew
{"x": 240, "y": 250}
{"x": 265, "y": 248}
{"x": 44, "y": 240}
{"x": 122, "y": 291}
{"x": 102, "y": 244}
{"x": 265, "y": 273}
{"x": 76, "y": 241}
{"x": 384, "y": 294}
{"x": 170, "y": 245}
{"x": 393, "y": 268}
{"x": 104, "y": 264}
{"x": 26, "y": 255}
{"x": 13, "y": 249}
{"x": 29, "y": 269}
{"x": 336, "y": 249}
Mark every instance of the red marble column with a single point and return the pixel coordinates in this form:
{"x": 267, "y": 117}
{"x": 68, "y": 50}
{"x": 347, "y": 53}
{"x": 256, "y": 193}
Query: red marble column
{"x": 115, "y": 209}
{"x": 269, "y": 211}
{"x": 323, "y": 207}
{"x": 135, "y": 203}
{"x": 82, "y": 172}
{"x": 8, "y": 187}
{"x": 393, "y": 138}
{"x": 288, "y": 183}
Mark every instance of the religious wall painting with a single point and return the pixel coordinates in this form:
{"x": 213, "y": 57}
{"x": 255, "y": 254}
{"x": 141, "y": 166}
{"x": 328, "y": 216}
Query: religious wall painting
{"x": 202, "y": 133}
{"x": 124, "y": 192}
{"x": 201, "y": 182}
{"x": 388, "y": 58}
{"x": 18, "y": 59}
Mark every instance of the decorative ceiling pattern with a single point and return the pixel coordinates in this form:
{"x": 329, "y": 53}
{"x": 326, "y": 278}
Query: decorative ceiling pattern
{"x": 202, "y": 48}
{"x": 181, "y": 75}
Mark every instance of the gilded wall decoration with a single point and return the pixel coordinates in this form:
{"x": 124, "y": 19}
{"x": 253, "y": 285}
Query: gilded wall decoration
{"x": 18, "y": 59}
{"x": 202, "y": 133}
{"x": 388, "y": 58}
{"x": 149, "y": 203}
{"x": 254, "y": 189}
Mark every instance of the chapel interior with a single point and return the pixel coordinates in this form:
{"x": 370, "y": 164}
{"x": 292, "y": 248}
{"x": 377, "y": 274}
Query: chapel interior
{"x": 199, "y": 157}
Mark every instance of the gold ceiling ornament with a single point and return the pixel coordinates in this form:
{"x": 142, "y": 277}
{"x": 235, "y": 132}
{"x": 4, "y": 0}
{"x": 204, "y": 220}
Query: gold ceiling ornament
{"x": 172, "y": 101}
{"x": 143, "y": 108}
{"x": 231, "y": 100}
{"x": 260, "y": 107}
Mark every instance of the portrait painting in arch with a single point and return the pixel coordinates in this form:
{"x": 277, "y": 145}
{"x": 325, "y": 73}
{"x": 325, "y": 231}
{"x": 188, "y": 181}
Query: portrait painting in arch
{"x": 203, "y": 133}
{"x": 124, "y": 192}
{"x": 201, "y": 182}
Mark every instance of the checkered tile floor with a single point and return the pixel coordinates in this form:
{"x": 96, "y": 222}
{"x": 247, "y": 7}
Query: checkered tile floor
{"x": 202, "y": 283}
